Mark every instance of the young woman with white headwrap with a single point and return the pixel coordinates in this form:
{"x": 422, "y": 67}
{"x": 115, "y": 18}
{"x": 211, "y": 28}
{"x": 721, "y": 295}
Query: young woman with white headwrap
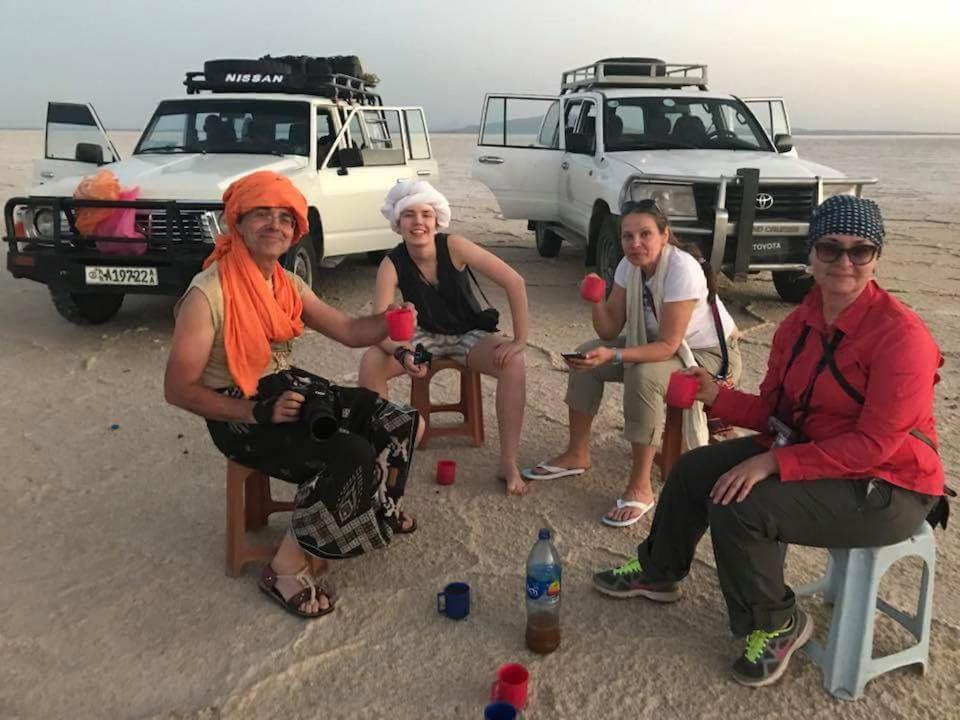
{"x": 432, "y": 270}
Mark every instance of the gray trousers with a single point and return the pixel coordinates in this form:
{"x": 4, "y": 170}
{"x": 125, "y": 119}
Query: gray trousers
{"x": 644, "y": 387}
{"x": 749, "y": 537}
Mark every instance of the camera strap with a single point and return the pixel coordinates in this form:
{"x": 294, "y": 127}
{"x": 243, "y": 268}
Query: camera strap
{"x": 724, "y": 353}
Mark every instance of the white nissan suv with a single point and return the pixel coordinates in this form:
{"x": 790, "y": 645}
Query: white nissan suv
{"x": 316, "y": 121}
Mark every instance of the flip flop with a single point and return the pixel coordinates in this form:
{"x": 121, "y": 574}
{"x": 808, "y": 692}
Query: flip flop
{"x": 621, "y": 503}
{"x": 396, "y": 524}
{"x": 552, "y": 472}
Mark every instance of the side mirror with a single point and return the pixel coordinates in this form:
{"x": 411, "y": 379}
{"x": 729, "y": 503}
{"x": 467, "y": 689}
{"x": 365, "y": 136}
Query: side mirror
{"x": 89, "y": 153}
{"x": 783, "y": 143}
{"x": 581, "y": 143}
{"x": 350, "y": 157}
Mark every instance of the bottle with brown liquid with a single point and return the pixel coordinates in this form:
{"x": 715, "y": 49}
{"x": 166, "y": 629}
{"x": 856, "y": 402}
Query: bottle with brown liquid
{"x": 543, "y": 595}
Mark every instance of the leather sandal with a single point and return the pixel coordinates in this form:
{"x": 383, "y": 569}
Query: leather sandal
{"x": 311, "y": 589}
{"x": 396, "y": 523}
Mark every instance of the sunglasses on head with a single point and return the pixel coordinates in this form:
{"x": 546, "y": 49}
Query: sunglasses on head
{"x": 645, "y": 205}
{"x": 830, "y": 252}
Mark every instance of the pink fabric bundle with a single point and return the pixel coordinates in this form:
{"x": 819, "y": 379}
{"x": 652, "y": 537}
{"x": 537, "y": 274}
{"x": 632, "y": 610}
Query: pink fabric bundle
{"x": 120, "y": 225}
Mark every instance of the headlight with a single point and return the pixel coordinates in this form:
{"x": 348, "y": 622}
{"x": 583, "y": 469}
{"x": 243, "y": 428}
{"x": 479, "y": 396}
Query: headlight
{"x": 43, "y": 222}
{"x": 676, "y": 201}
{"x": 831, "y": 190}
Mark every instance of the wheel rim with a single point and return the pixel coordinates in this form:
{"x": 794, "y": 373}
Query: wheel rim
{"x": 609, "y": 256}
{"x": 301, "y": 266}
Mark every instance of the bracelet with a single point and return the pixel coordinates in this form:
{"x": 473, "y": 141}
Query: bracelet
{"x": 400, "y": 353}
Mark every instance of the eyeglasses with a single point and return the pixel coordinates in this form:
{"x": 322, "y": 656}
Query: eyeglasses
{"x": 645, "y": 205}
{"x": 284, "y": 217}
{"x": 830, "y": 252}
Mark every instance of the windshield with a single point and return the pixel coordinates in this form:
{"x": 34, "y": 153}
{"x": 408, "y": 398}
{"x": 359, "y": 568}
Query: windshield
{"x": 658, "y": 123}
{"x": 263, "y": 127}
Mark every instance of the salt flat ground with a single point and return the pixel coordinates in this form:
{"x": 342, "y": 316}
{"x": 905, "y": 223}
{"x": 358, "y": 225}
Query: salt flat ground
{"x": 114, "y": 603}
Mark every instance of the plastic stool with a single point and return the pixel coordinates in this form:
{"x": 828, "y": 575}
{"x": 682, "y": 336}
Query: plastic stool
{"x": 470, "y": 405}
{"x": 851, "y": 583}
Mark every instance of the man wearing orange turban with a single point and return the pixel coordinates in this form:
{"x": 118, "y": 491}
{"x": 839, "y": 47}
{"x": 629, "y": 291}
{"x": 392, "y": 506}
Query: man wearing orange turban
{"x": 230, "y": 363}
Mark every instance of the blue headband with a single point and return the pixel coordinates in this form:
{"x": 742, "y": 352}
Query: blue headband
{"x": 847, "y": 215}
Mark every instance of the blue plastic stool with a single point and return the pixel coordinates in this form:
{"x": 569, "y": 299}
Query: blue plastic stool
{"x": 851, "y": 583}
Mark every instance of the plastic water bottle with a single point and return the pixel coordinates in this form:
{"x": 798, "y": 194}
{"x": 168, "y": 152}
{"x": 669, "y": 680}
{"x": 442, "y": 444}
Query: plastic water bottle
{"x": 543, "y": 595}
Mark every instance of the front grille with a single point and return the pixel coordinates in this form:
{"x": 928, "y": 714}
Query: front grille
{"x": 194, "y": 226}
{"x": 790, "y": 202}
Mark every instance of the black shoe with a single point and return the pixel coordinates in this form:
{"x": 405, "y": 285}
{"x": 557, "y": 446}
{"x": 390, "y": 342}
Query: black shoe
{"x": 629, "y": 580}
{"x": 767, "y": 654}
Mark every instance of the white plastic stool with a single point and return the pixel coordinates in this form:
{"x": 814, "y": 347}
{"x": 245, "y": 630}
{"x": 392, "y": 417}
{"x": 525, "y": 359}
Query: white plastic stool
{"x": 851, "y": 583}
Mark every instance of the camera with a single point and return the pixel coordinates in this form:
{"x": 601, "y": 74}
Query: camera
{"x": 319, "y": 410}
{"x": 784, "y": 435}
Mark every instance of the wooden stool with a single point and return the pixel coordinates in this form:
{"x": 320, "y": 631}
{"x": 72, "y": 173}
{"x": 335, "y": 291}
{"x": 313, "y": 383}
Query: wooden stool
{"x": 470, "y": 405}
{"x": 671, "y": 444}
{"x": 249, "y": 504}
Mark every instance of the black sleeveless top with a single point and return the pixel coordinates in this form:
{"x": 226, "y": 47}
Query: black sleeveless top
{"x": 447, "y": 308}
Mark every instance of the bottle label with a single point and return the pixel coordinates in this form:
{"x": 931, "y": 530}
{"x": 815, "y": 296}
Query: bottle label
{"x": 537, "y": 589}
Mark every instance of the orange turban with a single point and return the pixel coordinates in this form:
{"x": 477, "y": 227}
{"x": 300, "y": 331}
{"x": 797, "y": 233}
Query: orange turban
{"x": 253, "y": 316}
{"x": 102, "y": 186}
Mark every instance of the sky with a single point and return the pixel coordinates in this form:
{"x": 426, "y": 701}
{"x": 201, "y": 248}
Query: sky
{"x": 853, "y": 64}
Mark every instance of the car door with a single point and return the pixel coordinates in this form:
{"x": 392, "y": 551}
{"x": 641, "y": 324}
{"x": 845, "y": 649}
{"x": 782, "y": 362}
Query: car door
{"x": 368, "y": 157}
{"x": 417, "y": 141}
{"x": 580, "y": 165}
{"x": 772, "y": 114}
{"x": 518, "y": 154}
{"x": 75, "y": 143}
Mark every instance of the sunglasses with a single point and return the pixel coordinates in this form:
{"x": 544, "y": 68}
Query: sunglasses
{"x": 830, "y": 252}
{"x": 645, "y": 205}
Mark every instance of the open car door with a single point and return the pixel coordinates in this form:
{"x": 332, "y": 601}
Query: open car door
{"x": 518, "y": 154}
{"x": 772, "y": 114}
{"x": 75, "y": 143}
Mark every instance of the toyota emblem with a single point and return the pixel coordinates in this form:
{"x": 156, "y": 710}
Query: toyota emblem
{"x": 764, "y": 201}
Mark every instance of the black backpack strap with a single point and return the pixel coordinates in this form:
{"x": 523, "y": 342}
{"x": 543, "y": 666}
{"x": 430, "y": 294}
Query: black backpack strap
{"x": 474, "y": 278}
{"x": 797, "y": 347}
{"x": 721, "y": 336}
{"x": 858, "y": 398}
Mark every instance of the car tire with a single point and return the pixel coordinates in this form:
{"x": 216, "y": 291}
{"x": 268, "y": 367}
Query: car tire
{"x": 548, "y": 242}
{"x": 301, "y": 260}
{"x": 792, "y": 285}
{"x": 609, "y": 250}
{"x": 374, "y": 257}
{"x": 86, "y": 308}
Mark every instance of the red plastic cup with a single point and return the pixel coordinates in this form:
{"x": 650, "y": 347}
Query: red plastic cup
{"x": 446, "y": 472}
{"x": 682, "y": 390}
{"x": 593, "y": 288}
{"x": 511, "y": 685}
{"x": 400, "y": 324}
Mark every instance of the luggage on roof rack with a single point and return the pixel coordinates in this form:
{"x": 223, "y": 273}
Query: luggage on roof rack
{"x": 337, "y": 77}
{"x": 634, "y": 72}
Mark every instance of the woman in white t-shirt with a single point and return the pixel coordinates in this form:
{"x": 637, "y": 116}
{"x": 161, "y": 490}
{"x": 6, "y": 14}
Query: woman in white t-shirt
{"x": 657, "y": 319}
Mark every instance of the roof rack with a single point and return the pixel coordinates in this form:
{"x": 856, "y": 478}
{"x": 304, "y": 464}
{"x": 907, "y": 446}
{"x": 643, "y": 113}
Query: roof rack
{"x": 335, "y": 86}
{"x": 634, "y": 72}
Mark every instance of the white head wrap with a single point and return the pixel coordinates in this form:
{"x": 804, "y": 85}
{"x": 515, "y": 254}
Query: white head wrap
{"x": 415, "y": 192}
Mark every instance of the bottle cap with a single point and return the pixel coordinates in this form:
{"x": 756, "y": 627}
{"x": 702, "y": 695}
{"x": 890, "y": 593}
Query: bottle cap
{"x": 544, "y": 534}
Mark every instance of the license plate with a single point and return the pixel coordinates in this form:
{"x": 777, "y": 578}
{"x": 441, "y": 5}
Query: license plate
{"x": 112, "y": 275}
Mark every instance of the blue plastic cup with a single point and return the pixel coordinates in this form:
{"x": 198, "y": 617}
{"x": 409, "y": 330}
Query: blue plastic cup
{"x": 454, "y": 601}
{"x": 500, "y": 711}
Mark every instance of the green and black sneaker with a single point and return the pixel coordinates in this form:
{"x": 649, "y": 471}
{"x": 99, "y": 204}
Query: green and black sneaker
{"x": 628, "y": 581}
{"x": 767, "y": 654}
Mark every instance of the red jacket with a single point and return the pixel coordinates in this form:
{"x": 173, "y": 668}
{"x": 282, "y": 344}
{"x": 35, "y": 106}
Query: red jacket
{"x": 888, "y": 355}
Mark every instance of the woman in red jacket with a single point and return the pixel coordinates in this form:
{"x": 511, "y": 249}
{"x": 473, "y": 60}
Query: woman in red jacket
{"x": 846, "y": 456}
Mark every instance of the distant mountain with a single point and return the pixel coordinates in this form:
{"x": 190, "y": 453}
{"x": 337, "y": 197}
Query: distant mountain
{"x": 517, "y": 126}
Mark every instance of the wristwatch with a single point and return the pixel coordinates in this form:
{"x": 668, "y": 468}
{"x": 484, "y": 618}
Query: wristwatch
{"x": 617, "y": 357}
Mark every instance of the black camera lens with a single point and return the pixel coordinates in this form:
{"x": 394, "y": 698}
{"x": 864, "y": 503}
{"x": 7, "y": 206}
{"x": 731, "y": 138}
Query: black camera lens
{"x": 319, "y": 416}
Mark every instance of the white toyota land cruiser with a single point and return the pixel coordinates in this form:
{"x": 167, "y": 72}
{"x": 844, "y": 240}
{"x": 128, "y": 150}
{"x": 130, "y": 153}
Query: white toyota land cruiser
{"x": 722, "y": 168}
{"x": 312, "y": 119}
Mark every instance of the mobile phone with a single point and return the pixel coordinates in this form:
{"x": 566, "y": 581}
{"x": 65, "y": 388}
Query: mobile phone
{"x": 573, "y": 356}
